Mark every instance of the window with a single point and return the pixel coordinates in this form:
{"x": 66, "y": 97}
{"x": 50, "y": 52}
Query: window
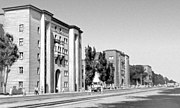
{"x": 38, "y": 56}
{"x": 38, "y": 30}
{"x": 21, "y": 27}
{"x": 37, "y": 84}
{"x": 55, "y": 27}
{"x": 21, "y": 55}
{"x": 65, "y": 84}
{"x": 20, "y": 41}
{"x": 39, "y": 45}
{"x": 66, "y": 62}
{"x": 38, "y": 72}
{"x": 21, "y": 70}
{"x": 65, "y": 51}
{"x": 65, "y": 40}
{"x": 66, "y": 73}
{"x": 60, "y": 49}
{"x": 111, "y": 57}
{"x": 20, "y": 84}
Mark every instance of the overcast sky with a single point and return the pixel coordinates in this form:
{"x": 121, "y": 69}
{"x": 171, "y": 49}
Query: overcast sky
{"x": 147, "y": 30}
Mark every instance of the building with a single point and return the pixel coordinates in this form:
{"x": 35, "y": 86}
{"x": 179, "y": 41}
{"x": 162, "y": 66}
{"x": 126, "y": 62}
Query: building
{"x": 121, "y": 65}
{"x": 127, "y": 71}
{"x": 50, "y": 50}
{"x": 148, "y": 78}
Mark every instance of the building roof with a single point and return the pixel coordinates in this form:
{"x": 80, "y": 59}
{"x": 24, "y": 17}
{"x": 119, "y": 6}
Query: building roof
{"x": 122, "y": 53}
{"x": 29, "y": 6}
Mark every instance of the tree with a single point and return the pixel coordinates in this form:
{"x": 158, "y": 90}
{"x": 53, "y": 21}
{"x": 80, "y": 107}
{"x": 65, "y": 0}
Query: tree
{"x": 110, "y": 73}
{"x": 102, "y": 67}
{"x": 89, "y": 65}
{"x": 137, "y": 74}
{"x": 8, "y": 56}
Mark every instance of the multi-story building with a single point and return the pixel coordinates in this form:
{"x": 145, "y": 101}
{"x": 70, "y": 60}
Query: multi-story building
{"x": 127, "y": 71}
{"x": 121, "y": 64}
{"x": 148, "y": 78}
{"x": 50, "y": 50}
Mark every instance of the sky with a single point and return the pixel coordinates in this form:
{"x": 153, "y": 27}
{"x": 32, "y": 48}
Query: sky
{"x": 146, "y": 30}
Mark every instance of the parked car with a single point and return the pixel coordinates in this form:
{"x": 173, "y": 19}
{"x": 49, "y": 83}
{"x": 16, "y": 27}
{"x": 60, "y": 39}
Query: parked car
{"x": 96, "y": 86}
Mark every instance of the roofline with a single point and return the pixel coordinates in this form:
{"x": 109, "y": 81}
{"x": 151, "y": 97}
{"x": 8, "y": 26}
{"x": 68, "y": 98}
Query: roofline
{"x": 60, "y": 22}
{"x": 66, "y": 25}
{"x": 116, "y": 51}
{"x": 75, "y": 27}
{"x": 27, "y": 7}
{"x": 147, "y": 65}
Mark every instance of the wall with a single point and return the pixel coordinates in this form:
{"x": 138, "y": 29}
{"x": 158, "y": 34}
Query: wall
{"x": 35, "y": 18}
{"x": 11, "y": 25}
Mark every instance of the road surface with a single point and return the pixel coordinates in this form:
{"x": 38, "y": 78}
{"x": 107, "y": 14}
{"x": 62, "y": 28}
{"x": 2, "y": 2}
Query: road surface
{"x": 130, "y": 98}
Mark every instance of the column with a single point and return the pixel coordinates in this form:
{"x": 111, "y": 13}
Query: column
{"x": 42, "y": 55}
{"x": 77, "y": 61}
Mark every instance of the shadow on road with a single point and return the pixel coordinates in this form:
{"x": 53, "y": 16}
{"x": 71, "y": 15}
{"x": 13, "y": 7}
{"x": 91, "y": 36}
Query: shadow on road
{"x": 164, "y": 100}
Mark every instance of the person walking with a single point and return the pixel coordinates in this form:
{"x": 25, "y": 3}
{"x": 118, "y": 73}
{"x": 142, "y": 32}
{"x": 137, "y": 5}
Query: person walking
{"x": 36, "y": 92}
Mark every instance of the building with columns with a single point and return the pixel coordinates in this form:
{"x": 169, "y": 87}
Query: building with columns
{"x": 121, "y": 64}
{"x": 50, "y": 50}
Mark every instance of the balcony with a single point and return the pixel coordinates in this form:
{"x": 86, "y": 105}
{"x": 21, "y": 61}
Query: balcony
{"x": 61, "y": 42}
{"x": 57, "y": 41}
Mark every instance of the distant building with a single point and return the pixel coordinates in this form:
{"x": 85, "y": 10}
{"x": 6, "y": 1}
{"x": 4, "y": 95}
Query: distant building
{"x": 121, "y": 64}
{"x": 127, "y": 71}
{"x": 148, "y": 78}
{"x": 50, "y": 50}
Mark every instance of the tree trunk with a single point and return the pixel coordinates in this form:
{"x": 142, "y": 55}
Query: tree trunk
{"x": 5, "y": 78}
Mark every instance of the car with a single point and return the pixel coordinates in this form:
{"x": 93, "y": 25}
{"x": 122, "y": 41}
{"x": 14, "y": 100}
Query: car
{"x": 96, "y": 86}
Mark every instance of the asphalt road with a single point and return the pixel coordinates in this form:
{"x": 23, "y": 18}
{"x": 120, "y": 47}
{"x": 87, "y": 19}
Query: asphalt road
{"x": 108, "y": 99}
{"x": 164, "y": 98}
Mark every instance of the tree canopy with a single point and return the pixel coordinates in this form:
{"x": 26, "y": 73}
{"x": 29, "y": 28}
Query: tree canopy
{"x": 8, "y": 56}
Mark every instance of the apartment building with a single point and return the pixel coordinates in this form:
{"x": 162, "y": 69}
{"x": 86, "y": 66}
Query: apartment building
{"x": 50, "y": 50}
{"x": 121, "y": 64}
{"x": 148, "y": 78}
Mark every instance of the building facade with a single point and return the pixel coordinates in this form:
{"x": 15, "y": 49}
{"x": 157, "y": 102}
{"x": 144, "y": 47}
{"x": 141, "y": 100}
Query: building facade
{"x": 148, "y": 78}
{"x": 121, "y": 64}
{"x": 50, "y": 50}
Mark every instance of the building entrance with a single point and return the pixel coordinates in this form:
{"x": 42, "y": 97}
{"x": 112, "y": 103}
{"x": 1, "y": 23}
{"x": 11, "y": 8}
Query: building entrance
{"x": 57, "y": 81}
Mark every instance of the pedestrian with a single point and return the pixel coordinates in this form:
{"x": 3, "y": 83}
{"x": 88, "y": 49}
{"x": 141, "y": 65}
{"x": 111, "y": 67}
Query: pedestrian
{"x": 36, "y": 91}
{"x": 10, "y": 91}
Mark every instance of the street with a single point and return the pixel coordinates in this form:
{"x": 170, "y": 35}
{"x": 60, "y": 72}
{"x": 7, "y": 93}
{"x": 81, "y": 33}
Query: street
{"x": 133, "y": 98}
{"x": 167, "y": 98}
